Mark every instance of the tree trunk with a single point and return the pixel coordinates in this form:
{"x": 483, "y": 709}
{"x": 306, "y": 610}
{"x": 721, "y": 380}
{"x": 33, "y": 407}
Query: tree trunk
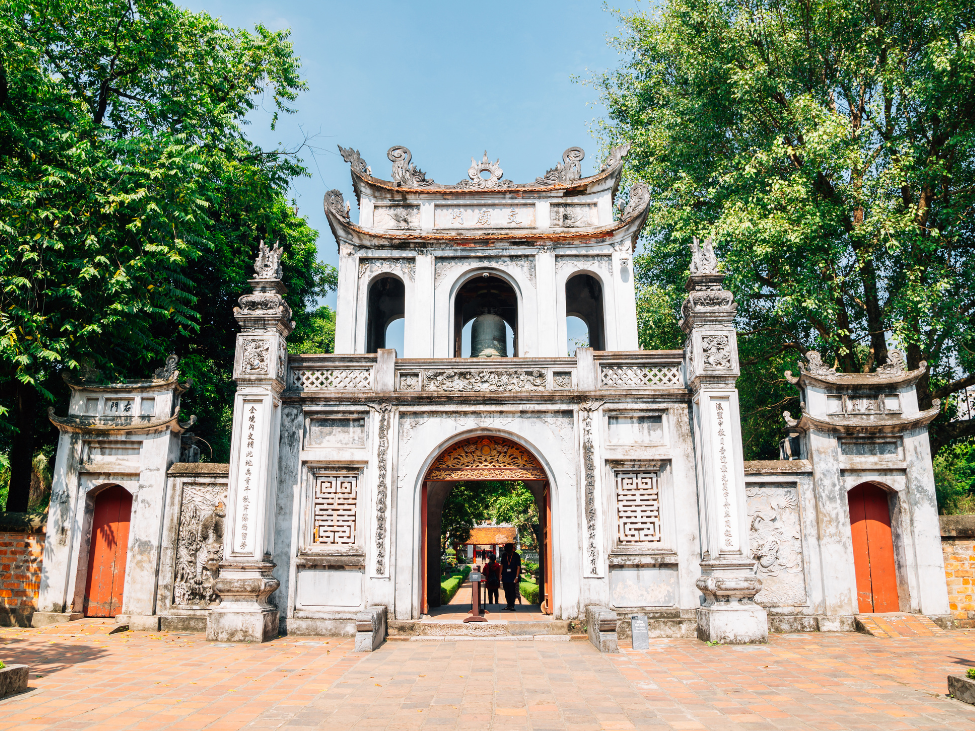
{"x": 22, "y": 450}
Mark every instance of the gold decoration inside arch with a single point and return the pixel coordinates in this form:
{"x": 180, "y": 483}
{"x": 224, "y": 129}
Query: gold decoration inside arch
{"x": 486, "y": 458}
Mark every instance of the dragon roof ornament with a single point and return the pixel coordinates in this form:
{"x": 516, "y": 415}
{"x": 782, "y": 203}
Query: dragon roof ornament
{"x": 566, "y": 171}
{"x": 484, "y": 174}
{"x": 404, "y": 173}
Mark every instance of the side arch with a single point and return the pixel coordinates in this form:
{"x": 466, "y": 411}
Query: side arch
{"x": 874, "y": 559}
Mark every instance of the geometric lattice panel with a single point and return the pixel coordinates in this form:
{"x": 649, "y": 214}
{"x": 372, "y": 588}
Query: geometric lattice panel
{"x": 333, "y": 509}
{"x": 332, "y": 379}
{"x": 639, "y": 376}
{"x": 637, "y": 507}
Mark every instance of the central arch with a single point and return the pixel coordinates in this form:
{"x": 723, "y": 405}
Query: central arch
{"x": 485, "y": 457}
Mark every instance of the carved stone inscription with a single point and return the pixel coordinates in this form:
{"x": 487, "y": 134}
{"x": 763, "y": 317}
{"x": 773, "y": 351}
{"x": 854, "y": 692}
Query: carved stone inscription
{"x": 723, "y": 465}
{"x": 334, "y": 509}
{"x": 511, "y": 216}
{"x": 775, "y": 541}
{"x": 247, "y": 475}
{"x": 572, "y": 215}
{"x": 199, "y": 544}
{"x": 637, "y": 507}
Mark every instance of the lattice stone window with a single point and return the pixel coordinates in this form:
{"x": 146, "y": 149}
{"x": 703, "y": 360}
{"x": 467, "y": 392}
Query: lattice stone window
{"x": 638, "y": 506}
{"x": 334, "y": 509}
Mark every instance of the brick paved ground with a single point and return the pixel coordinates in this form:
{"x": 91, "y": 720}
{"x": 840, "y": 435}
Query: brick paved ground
{"x": 136, "y": 680}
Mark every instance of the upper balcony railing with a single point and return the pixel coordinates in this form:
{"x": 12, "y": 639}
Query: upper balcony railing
{"x": 588, "y": 371}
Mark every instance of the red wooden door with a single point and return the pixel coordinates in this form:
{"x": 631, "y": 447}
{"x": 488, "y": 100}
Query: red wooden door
{"x": 107, "y": 552}
{"x": 424, "y": 548}
{"x": 873, "y": 549}
{"x": 546, "y": 549}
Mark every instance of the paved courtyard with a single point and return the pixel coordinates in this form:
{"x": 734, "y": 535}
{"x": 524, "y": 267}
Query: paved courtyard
{"x": 138, "y": 680}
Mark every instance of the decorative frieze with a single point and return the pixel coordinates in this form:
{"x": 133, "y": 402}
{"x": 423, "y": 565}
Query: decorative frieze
{"x": 583, "y": 262}
{"x": 444, "y": 265}
{"x": 486, "y": 458}
{"x": 334, "y": 506}
{"x": 637, "y": 508}
{"x": 484, "y": 380}
{"x": 199, "y": 544}
{"x": 775, "y": 542}
{"x": 403, "y": 266}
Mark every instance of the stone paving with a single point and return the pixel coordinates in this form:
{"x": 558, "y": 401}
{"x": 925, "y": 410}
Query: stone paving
{"x": 139, "y": 680}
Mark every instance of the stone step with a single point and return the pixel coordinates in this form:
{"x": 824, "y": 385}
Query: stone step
{"x": 896, "y": 625}
{"x": 491, "y": 628}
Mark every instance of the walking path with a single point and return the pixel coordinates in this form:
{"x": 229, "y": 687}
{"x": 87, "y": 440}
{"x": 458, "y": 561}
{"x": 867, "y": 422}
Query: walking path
{"x": 460, "y": 606}
{"x": 140, "y": 680}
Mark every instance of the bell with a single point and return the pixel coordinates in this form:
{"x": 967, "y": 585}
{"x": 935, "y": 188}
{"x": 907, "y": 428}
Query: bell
{"x": 488, "y": 337}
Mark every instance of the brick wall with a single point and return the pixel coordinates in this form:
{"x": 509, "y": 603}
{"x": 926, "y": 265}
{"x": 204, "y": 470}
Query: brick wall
{"x": 20, "y": 576}
{"x": 958, "y": 546}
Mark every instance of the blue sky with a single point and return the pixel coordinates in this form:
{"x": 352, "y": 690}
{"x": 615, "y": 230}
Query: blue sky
{"x": 446, "y": 79}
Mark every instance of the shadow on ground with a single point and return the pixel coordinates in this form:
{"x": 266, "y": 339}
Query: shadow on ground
{"x": 49, "y": 657}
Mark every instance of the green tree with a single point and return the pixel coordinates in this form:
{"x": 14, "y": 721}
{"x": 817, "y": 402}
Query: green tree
{"x": 827, "y": 148}
{"x": 131, "y": 202}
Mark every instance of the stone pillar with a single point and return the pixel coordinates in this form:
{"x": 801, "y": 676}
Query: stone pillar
{"x": 245, "y": 583}
{"x": 728, "y": 582}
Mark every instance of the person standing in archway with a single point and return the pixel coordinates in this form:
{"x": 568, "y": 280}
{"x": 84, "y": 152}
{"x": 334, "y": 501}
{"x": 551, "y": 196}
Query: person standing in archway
{"x": 492, "y": 577}
{"x": 510, "y": 575}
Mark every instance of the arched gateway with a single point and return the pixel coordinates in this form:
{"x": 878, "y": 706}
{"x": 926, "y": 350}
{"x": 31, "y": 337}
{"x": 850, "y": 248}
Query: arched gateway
{"x": 481, "y": 458}
{"x": 339, "y": 461}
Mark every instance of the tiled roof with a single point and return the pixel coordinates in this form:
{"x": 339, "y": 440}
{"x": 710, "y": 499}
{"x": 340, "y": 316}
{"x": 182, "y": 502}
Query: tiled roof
{"x": 490, "y": 535}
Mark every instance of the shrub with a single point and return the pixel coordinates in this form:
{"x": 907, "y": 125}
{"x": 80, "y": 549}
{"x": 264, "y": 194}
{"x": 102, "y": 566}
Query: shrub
{"x": 970, "y": 673}
{"x": 529, "y": 590}
{"x": 450, "y": 585}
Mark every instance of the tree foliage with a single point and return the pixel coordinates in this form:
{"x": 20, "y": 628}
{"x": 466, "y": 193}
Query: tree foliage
{"x": 827, "y": 147}
{"x": 131, "y": 201}
{"x": 471, "y": 503}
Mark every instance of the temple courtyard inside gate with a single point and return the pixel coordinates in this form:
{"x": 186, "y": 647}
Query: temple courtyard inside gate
{"x": 82, "y": 678}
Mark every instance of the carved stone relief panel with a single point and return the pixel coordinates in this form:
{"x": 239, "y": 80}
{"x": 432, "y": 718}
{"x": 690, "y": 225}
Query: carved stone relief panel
{"x": 333, "y": 509}
{"x": 484, "y": 380}
{"x": 199, "y": 544}
{"x": 445, "y": 265}
{"x": 637, "y": 507}
{"x": 386, "y": 217}
{"x": 583, "y": 262}
{"x": 255, "y": 356}
{"x": 572, "y": 215}
{"x": 717, "y": 352}
{"x": 775, "y": 541}
{"x": 518, "y": 215}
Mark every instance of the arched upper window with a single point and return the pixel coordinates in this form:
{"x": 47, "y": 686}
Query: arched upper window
{"x": 484, "y": 294}
{"x": 584, "y": 301}
{"x": 387, "y": 303}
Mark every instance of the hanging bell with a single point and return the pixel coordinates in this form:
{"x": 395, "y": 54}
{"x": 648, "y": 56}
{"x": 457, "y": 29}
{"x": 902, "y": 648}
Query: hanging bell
{"x": 488, "y": 337}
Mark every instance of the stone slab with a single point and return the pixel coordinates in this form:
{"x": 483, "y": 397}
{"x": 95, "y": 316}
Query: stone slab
{"x": 44, "y": 619}
{"x": 13, "y": 679}
{"x": 962, "y": 688}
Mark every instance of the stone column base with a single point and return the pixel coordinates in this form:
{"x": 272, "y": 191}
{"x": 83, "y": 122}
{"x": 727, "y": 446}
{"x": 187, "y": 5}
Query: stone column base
{"x": 259, "y": 626}
{"x": 45, "y": 619}
{"x": 732, "y": 624}
{"x": 244, "y": 614}
{"x": 729, "y": 616}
